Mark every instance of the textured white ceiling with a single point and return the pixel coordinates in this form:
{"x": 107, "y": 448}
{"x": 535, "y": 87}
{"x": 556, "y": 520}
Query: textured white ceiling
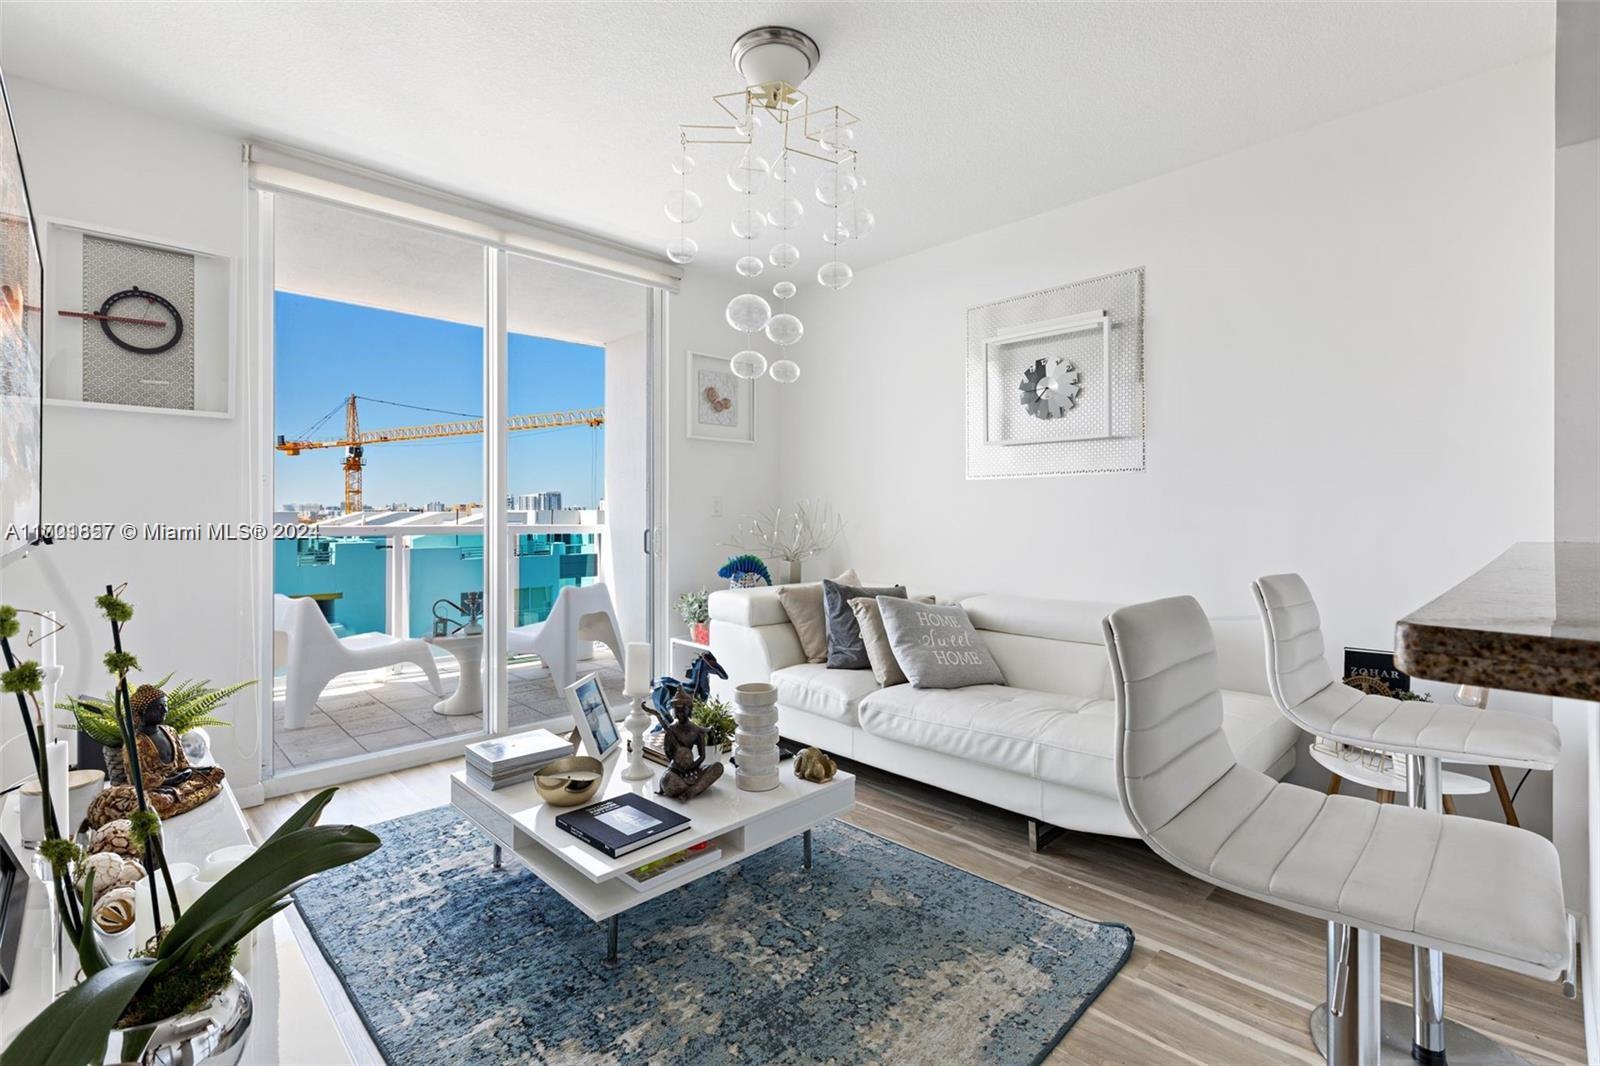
{"x": 974, "y": 114}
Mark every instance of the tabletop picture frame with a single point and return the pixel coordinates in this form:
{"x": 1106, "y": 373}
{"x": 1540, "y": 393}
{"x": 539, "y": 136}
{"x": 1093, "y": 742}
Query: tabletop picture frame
{"x": 597, "y": 729}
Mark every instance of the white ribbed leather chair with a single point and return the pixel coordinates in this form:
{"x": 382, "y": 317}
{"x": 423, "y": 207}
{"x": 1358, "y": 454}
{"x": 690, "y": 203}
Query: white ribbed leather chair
{"x": 1477, "y": 889}
{"x": 1308, "y": 692}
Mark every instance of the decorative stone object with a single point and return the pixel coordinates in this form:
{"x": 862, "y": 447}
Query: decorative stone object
{"x": 110, "y": 871}
{"x": 114, "y": 837}
{"x": 813, "y": 764}
{"x": 755, "y": 740}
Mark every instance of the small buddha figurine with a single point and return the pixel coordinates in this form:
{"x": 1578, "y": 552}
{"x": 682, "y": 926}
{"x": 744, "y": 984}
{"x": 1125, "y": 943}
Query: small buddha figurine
{"x": 171, "y": 785}
{"x": 685, "y": 744}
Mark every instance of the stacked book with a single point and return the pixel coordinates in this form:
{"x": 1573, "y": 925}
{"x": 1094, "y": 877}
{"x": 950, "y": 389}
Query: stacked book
{"x": 511, "y": 760}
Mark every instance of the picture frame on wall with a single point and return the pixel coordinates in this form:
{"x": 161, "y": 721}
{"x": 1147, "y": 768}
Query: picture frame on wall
{"x": 720, "y": 405}
{"x": 137, "y": 323}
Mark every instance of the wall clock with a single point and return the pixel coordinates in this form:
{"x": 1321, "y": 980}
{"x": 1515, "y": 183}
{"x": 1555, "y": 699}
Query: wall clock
{"x": 140, "y": 321}
{"x": 1050, "y": 388}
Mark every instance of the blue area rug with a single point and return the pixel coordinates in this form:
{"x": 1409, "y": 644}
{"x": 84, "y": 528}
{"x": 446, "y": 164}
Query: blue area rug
{"x": 877, "y": 954}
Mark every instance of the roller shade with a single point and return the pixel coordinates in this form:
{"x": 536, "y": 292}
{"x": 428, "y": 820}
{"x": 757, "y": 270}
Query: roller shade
{"x": 304, "y": 174}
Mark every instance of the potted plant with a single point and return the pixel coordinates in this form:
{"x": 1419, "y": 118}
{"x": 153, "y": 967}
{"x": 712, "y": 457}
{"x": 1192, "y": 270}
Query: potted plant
{"x": 717, "y": 718}
{"x": 189, "y": 708}
{"x": 745, "y": 571}
{"x": 695, "y": 611}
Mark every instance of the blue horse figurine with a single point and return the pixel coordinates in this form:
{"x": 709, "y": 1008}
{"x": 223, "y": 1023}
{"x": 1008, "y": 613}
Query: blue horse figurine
{"x": 696, "y": 680}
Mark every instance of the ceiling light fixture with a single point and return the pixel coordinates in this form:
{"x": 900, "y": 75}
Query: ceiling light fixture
{"x": 770, "y": 114}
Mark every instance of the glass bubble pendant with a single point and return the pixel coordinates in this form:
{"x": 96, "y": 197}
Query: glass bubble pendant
{"x": 748, "y": 173}
{"x": 684, "y": 164}
{"x": 784, "y": 329}
{"x": 787, "y": 214}
{"x": 835, "y": 186}
{"x": 749, "y": 224}
{"x": 784, "y": 256}
{"x": 749, "y": 266}
{"x": 683, "y": 205}
{"x": 783, "y": 290}
{"x": 834, "y": 275}
{"x": 784, "y": 169}
{"x": 836, "y": 137}
{"x": 748, "y": 312}
{"x": 856, "y": 220}
{"x": 835, "y": 232}
{"x": 748, "y": 124}
{"x": 748, "y": 364}
{"x": 682, "y": 250}
{"x": 785, "y": 371}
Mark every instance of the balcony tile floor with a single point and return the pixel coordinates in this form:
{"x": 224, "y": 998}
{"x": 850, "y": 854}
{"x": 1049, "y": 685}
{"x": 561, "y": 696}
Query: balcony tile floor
{"x": 364, "y": 713}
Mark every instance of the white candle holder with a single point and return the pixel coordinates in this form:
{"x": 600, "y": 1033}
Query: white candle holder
{"x": 638, "y": 721}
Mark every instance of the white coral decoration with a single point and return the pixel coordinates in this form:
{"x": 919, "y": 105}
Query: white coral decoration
{"x": 792, "y": 535}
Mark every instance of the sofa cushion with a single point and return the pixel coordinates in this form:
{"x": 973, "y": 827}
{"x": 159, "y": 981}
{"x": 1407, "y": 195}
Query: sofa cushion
{"x": 846, "y": 650}
{"x": 880, "y": 656}
{"x": 937, "y": 647}
{"x": 803, "y": 605}
{"x": 815, "y": 689}
{"x": 1065, "y": 740}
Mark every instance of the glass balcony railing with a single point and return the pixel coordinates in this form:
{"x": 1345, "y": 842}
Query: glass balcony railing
{"x": 355, "y": 575}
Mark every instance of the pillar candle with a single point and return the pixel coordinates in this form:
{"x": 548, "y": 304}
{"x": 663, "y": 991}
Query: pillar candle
{"x": 637, "y": 674}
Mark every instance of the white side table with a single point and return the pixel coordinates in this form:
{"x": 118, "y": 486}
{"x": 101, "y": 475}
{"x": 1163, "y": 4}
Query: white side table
{"x": 468, "y": 696}
{"x": 1392, "y": 783}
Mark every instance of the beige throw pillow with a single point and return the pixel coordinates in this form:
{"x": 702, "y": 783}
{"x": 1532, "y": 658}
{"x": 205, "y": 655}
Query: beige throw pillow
{"x": 803, "y": 605}
{"x": 880, "y": 654}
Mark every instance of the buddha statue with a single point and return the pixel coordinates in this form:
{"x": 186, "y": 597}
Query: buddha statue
{"x": 171, "y": 785}
{"x": 685, "y": 745}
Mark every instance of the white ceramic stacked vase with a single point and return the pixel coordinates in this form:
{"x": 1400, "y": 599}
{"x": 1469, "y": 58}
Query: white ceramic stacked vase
{"x": 755, "y": 741}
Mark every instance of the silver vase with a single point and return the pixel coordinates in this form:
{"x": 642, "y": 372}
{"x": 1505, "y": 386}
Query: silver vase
{"x": 212, "y": 1036}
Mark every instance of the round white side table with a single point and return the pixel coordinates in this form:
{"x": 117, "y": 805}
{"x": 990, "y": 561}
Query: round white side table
{"x": 468, "y": 696}
{"x": 1393, "y": 782}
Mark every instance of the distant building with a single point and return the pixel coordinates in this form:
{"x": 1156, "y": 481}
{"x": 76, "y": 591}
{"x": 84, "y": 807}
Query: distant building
{"x": 534, "y": 501}
{"x": 435, "y": 506}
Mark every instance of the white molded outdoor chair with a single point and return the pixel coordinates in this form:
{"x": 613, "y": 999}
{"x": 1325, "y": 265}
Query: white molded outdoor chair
{"x": 579, "y": 614}
{"x": 314, "y": 655}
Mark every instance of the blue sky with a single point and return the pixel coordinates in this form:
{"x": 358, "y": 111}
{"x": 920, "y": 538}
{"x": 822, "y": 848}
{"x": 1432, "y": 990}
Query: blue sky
{"x": 326, "y": 350}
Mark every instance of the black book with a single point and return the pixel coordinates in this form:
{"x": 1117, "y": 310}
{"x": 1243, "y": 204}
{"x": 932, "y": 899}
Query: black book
{"x": 623, "y": 824}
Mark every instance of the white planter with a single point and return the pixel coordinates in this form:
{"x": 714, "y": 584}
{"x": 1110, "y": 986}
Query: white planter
{"x": 755, "y": 740}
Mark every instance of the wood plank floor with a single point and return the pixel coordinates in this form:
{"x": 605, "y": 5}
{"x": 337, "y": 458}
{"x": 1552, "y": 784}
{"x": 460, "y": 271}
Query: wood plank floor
{"x": 1215, "y": 978}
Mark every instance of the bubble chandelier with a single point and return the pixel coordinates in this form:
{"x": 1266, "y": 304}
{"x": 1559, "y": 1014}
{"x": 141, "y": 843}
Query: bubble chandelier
{"x": 796, "y": 169}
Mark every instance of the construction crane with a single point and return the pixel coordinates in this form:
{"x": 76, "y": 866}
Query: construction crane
{"x": 355, "y": 439}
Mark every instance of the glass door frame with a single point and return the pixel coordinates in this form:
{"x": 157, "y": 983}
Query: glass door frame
{"x": 499, "y": 555}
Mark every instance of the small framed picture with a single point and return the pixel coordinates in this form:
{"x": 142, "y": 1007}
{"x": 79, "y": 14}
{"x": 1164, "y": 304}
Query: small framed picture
{"x": 721, "y": 405}
{"x": 593, "y": 717}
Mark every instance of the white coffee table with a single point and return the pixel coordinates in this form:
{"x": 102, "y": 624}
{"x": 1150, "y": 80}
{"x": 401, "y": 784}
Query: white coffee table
{"x": 741, "y": 823}
{"x": 468, "y": 652}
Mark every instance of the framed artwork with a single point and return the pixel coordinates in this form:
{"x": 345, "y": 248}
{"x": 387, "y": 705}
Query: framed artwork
{"x": 596, "y": 727}
{"x": 138, "y": 323}
{"x": 21, "y": 350}
{"x": 1055, "y": 381}
{"x": 721, "y": 405}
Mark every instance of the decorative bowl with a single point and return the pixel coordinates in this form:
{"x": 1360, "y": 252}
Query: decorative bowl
{"x": 570, "y": 781}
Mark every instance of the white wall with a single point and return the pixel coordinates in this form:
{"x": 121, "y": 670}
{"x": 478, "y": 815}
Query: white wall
{"x": 705, "y": 476}
{"x": 177, "y": 184}
{"x": 1348, "y": 363}
{"x": 1577, "y": 341}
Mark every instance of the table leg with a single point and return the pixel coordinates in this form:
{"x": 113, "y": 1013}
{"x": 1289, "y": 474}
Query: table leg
{"x": 1506, "y": 805}
{"x": 611, "y": 939}
{"x": 497, "y": 856}
{"x": 805, "y": 839}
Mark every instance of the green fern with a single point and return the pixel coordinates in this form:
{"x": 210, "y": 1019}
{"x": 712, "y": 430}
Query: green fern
{"x": 189, "y": 706}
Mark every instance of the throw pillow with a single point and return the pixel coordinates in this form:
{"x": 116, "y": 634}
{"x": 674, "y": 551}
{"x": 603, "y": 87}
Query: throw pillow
{"x": 846, "y": 650}
{"x": 879, "y": 654}
{"x": 937, "y": 647}
{"x": 803, "y": 605}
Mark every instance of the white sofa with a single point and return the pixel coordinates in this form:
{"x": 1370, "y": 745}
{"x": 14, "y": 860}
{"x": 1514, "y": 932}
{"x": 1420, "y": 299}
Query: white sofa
{"x": 1040, "y": 745}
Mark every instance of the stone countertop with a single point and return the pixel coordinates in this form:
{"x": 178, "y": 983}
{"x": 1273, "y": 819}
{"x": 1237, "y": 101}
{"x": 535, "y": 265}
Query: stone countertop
{"x": 1527, "y": 622}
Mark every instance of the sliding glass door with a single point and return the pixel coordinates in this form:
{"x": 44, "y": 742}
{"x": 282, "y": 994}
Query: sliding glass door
{"x": 458, "y": 434}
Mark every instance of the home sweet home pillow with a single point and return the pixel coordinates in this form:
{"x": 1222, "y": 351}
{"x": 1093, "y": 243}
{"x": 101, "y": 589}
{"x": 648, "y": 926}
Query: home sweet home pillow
{"x": 937, "y": 647}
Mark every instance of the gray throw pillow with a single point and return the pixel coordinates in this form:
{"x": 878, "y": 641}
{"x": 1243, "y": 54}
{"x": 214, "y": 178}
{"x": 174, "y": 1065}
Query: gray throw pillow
{"x": 936, "y": 646}
{"x": 846, "y": 649}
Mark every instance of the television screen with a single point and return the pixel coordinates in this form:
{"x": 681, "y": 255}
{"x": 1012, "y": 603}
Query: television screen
{"x": 21, "y": 350}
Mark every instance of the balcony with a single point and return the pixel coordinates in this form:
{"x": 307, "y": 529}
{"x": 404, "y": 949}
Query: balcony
{"x": 382, "y": 572}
